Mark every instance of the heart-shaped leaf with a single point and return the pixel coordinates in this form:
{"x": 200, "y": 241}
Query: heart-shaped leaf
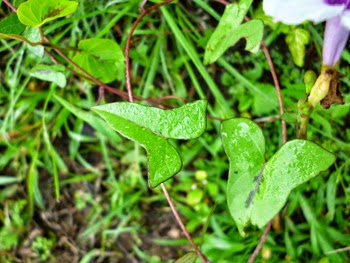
{"x": 38, "y": 12}
{"x": 100, "y": 57}
{"x": 230, "y": 31}
{"x": 256, "y": 190}
{"x": 150, "y": 126}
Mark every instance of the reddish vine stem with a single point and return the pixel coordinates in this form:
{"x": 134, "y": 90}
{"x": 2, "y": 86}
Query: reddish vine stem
{"x": 277, "y": 86}
{"x": 152, "y": 101}
{"x": 278, "y": 89}
{"x": 223, "y": 2}
{"x": 178, "y": 219}
{"x": 261, "y": 242}
{"x": 10, "y": 6}
{"x": 131, "y": 99}
{"x": 87, "y": 75}
{"x": 142, "y": 6}
{"x": 128, "y": 41}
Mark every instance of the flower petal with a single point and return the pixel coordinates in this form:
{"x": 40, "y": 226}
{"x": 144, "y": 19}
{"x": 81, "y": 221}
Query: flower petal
{"x": 335, "y": 38}
{"x": 345, "y": 19}
{"x": 297, "y": 11}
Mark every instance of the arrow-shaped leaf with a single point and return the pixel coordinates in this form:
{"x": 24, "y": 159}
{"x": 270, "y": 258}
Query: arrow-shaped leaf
{"x": 229, "y": 31}
{"x": 257, "y": 191}
{"x": 150, "y": 126}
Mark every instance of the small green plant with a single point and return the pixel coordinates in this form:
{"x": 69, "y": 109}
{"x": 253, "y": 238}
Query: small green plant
{"x": 42, "y": 247}
{"x": 14, "y": 220}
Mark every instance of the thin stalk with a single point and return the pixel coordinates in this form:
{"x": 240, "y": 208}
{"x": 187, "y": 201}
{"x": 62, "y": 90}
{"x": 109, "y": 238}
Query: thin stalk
{"x": 261, "y": 242}
{"x": 10, "y": 6}
{"x": 278, "y": 89}
{"x": 128, "y": 42}
{"x": 131, "y": 99}
{"x": 181, "y": 224}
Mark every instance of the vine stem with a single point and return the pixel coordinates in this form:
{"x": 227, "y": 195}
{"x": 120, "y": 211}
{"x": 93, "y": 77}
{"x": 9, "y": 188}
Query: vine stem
{"x": 181, "y": 224}
{"x": 261, "y": 242}
{"x": 131, "y": 99}
{"x": 278, "y": 89}
{"x": 223, "y": 2}
{"x": 277, "y": 86}
{"x": 47, "y": 44}
{"x": 152, "y": 101}
{"x": 128, "y": 42}
{"x": 142, "y": 6}
{"x": 10, "y": 6}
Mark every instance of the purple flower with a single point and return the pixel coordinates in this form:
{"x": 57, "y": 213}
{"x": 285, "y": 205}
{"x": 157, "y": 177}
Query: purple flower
{"x": 336, "y": 13}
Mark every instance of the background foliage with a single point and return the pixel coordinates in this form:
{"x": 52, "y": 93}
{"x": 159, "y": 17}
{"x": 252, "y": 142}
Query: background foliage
{"x": 53, "y": 149}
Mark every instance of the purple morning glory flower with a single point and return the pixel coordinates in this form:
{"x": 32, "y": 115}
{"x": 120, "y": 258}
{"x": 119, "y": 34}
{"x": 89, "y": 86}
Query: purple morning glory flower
{"x": 336, "y": 13}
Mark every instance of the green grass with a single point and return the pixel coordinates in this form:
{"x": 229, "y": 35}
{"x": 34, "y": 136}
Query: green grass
{"x": 72, "y": 189}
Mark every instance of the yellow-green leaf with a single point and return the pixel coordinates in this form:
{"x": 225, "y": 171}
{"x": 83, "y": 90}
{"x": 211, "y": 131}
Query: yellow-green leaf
{"x": 37, "y": 12}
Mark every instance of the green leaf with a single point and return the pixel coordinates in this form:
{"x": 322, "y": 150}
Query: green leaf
{"x": 11, "y": 25}
{"x": 37, "y": 12}
{"x": 296, "y": 40}
{"x": 256, "y": 190}
{"x": 100, "y": 57}
{"x": 230, "y": 31}
{"x": 52, "y": 73}
{"x": 189, "y": 257}
{"x": 148, "y": 125}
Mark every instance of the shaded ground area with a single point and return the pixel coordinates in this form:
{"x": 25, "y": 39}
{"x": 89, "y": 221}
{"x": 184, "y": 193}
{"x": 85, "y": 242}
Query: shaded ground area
{"x": 63, "y": 222}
